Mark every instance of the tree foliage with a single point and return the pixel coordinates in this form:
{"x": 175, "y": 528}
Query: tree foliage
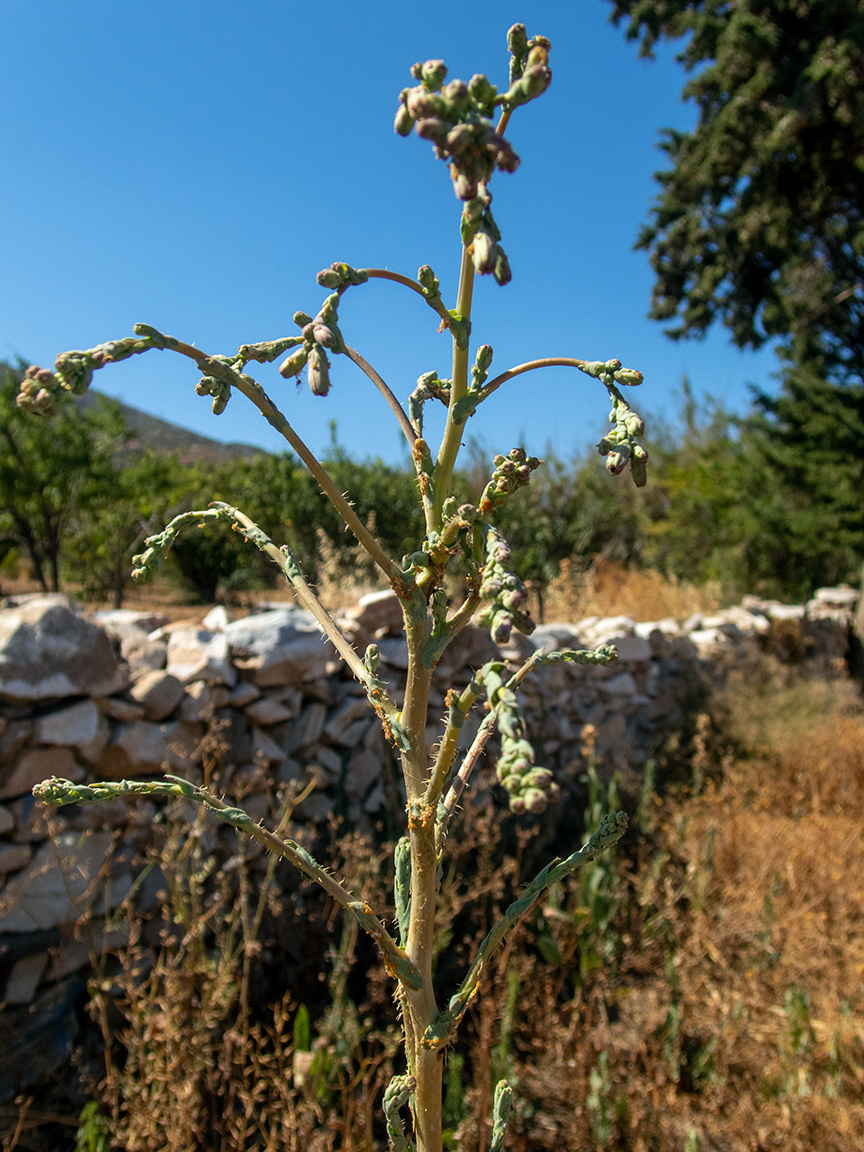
{"x": 50, "y": 473}
{"x": 760, "y": 221}
{"x": 760, "y": 226}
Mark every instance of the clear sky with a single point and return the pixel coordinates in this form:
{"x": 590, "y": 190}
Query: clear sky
{"x": 193, "y": 164}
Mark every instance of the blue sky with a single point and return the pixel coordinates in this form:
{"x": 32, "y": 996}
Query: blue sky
{"x": 192, "y": 165}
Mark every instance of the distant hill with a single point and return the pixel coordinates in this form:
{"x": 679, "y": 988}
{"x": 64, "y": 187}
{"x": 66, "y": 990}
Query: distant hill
{"x": 163, "y": 436}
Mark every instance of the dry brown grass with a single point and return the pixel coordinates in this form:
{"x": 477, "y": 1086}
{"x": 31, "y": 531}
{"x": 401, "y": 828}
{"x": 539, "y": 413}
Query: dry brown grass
{"x": 613, "y": 590}
{"x": 736, "y": 1018}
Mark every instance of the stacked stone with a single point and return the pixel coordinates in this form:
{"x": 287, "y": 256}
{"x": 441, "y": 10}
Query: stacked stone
{"x": 124, "y": 695}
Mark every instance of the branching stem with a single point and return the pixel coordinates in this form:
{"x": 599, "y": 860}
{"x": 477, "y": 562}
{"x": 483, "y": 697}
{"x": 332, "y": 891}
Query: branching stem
{"x": 397, "y": 409}
{"x": 56, "y": 791}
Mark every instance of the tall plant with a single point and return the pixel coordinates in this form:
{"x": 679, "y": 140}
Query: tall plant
{"x": 459, "y": 539}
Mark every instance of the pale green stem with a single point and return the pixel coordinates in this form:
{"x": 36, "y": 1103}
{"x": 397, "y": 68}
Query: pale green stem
{"x": 397, "y": 409}
{"x": 58, "y": 792}
{"x": 284, "y": 558}
{"x": 612, "y": 828}
{"x": 452, "y": 438}
{"x": 253, "y": 391}
{"x": 398, "y": 278}
{"x": 530, "y": 366}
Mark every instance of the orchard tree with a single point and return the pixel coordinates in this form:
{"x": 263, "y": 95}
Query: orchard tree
{"x": 51, "y": 472}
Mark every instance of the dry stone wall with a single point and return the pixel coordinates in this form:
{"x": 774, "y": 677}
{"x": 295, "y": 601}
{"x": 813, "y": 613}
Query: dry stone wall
{"x": 123, "y": 695}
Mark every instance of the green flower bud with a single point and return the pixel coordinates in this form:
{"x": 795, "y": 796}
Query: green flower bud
{"x": 432, "y": 74}
{"x": 517, "y": 40}
{"x": 534, "y": 800}
{"x": 482, "y": 93}
{"x": 456, "y": 95}
{"x": 639, "y": 472}
{"x": 422, "y": 104}
{"x": 485, "y": 253}
{"x": 301, "y": 319}
{"x": 323, "y": 335}
{"x": 502, "y": 272}
{"x": 432, "y": 129}
{"x": 294, "y": 363}
{"x": 616, "y": 462}
{"x": 538, "y": 778}
{"x": 403, "y": 124}
{"x": 329, "y": 278}
{"x": 460, "y": 139}
{"x": 465, "y": 188}
{"x": 628, "y": 376}
{"x": 318, "y": 372}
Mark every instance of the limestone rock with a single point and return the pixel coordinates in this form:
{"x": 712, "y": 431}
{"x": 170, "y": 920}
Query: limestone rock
{"x": 82, "y": 727}
{"x": 36, "y": 765}
{"x": 13, "y": 857}
{"x": 198, "y": 654}
{"x": 283, "y": 646}
{"x": 60, "y": 883}
{"x": 307, "y": 729}
{"x": 137, "y": 749}
{"x": 267, "y": 712}
{"x": 47, "y": 651}
{"x": 123, "y": 710}
{"x": 380, "y": 614}
{"x": 158, "y": 692}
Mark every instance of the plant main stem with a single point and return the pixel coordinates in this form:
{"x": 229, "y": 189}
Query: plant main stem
{"x": 452, "y": 438}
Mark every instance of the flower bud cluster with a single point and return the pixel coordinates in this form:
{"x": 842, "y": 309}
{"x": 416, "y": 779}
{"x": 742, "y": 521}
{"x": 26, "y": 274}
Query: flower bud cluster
{"x": 455, "y": 119}
{"x": 429, "y": 283}
{"x": 530, "y": 74}
{"x": 529, "y": 787}
{"x": 428, "y": 386}
{"x": 620, "y": 446}
{"x": 342, "y": 276}
{"x": 37, "y": 391}
{"x": 218, "y": 389}
{"x": 504, "y": 592}
{"x": 511, "y": 473}
{"x": 319, "y": 333}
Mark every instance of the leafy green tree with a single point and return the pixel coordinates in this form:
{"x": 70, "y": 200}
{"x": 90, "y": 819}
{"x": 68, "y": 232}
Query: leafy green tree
{"x": 760, "y": 226}
{"x": 760, "y": 221}
{"x": 50, "y": 472}
{"x": 103, "y": 536}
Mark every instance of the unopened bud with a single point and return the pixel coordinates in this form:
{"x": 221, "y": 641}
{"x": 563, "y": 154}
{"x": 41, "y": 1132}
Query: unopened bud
{"x": 318, "y": 373}
{"x": 628, "y": 376}
{"x": 502, "y": 272}
{"x": 403, "y": 123}
{"x": 483, "y": 359}
{"x": 460, "y": 138}
{"x": 294, "y": 363}
{"x": 517, "y": 40}
{"x": 456, "y": 95}
{"x": 534, "y": 800}
{"x": 301, "y": 319}
{"x": 485, "y": 253}
{"x": 616, "y": 462}
{"x": 432, "y": 73}
{"x": 465, "y": 188}
{"x": 323, "y": 335}
{"x": 329, "y": 278}
{"x": 421, "y": 104}
{"x": 431, "y": 128}
{"x": 535, "y": 80}
{"x": 482, "y": 93}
